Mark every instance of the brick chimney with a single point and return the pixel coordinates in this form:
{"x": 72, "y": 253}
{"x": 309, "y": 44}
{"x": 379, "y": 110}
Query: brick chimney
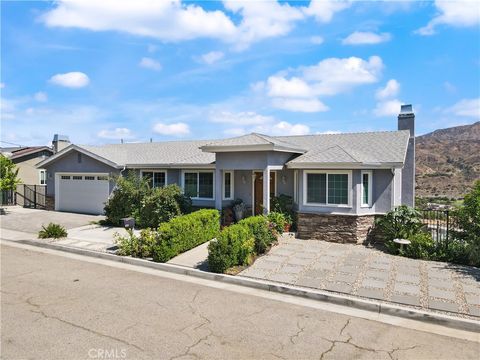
{"x": 406, "y": 121}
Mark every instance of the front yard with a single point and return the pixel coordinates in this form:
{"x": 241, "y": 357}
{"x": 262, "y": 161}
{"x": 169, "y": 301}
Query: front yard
{"x": 371, "y": 273}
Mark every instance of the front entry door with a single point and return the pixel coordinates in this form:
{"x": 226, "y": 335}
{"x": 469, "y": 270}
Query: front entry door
{"x": 258, "y": 191}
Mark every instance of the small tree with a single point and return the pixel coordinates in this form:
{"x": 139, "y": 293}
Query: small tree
{"x": 8, "y": 174}
{"x": 469, "y": 222}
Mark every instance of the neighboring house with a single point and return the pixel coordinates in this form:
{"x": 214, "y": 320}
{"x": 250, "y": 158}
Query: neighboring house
{"x": 339, "y": 182}
{"x": 26, "y": 159}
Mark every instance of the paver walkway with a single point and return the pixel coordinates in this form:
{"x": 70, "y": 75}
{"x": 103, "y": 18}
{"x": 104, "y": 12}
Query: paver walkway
{"x": 371, "y": 273}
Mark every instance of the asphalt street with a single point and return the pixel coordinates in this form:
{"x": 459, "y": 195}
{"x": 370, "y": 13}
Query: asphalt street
{"x": 57, "y": 307}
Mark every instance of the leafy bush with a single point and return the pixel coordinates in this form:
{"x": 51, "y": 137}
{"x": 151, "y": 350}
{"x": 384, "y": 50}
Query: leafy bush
{"x": 403, "y": 222}
{"x": 469, "y": 222}
{"x": 132, "y": 197}
{"x": 52, "y": 230}
{"x": 234, "y": 246}
{"x": 284, "y": 204}
{"x": 277, "y": 220}
{"x": 159, "y": 205}
{"x": 125, "y": 198}
{"x": 184, "y": 233}
{"x": 136, "y": 246}
{"x": 421, "y": 247}
{"x": 263, "y": 234}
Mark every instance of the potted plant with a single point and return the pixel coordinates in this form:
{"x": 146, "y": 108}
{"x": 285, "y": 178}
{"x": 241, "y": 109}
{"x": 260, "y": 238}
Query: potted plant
{"x": 239, "y": 209}
{"x": 288, "y": 223}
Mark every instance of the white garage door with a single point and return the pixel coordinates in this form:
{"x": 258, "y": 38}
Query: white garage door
{"x": 82, "y": 193}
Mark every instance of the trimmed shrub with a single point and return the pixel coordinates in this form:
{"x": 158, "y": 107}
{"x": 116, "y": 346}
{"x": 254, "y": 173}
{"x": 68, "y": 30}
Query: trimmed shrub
{"x": 136, "y": 246}
{"x": 233, "y": 246}
{"x": 125, "y": 198}
{"x": 184, "y": 233}
{"x": 52, "y": 230}
{"x": 277, "y": 220}
{"x": 263, "y": 234}
{"x": 421, "y": 246}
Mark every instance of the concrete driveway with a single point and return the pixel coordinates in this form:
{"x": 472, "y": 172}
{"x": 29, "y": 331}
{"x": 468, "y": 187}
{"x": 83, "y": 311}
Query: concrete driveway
{"x": 24, "y": 224}
{"x": 31, "y": 220}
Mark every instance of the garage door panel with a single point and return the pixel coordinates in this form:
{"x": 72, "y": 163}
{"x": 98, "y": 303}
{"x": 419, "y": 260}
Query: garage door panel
{"x": 78, "y": 194}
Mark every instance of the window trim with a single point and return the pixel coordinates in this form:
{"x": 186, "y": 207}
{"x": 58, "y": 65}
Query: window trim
{"x": 198, "y": 182}
{"x": 370, "y": 177}
{"x": 232, "y": 196}
{"x": 327, "y": 172}
{"x": 40, "y": 172}
{"x": 153, "y": 178}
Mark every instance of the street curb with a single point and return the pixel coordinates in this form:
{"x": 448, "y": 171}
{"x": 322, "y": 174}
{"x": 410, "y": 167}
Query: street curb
{"x": 362, "y": 304}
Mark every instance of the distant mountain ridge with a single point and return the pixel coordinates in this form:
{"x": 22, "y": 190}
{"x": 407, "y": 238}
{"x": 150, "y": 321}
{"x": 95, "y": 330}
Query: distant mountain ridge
{"x": 448, "y": 161}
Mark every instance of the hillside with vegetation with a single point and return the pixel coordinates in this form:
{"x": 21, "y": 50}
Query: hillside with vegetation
{"x": 448, "y": 161}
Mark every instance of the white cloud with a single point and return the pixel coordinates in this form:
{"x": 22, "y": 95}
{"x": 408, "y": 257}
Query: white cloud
{"x": 317, "y": 40}
{"x": 324, "y": 10}
{"x": 73, "y": 79}
{"x": 453, "y": 13}
{"x": 241, "y": 118}
{"x": 300, "y": 105}
{"x": 335, "y": 75}
{"x": 449, "y": 87}
{"x": 466, "y": 107}
{"x": 283, "y": 128}
{"x": 164, "y": 20}
{"x": 149, "y": 63}
{"x": 388, "y": 108}
{"x": 279, "y": 86}
{"x": 2, "y": 85}
{"x": 175, "y": 129}
{"x": 117, "y": 133}
{"x": 261, "y": 20}
{"x": 391, "y": 89}
{"x": 299, "y": 89}
{"x": 235, "y": 132}
{"x": 177, "y": 21}
{"x": 40, "y": 96}
{"x": 366, "y": 38}
{"x": 212, "y": 57}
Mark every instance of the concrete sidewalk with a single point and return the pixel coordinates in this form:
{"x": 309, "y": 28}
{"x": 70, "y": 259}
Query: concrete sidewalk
{"x": 195, "y": 258}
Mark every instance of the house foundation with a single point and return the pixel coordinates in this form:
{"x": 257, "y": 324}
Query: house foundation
{"x": 351, "y": 229}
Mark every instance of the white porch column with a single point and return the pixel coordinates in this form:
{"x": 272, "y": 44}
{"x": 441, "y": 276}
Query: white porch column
{"x": 218, "y": 188}
{"x": 266, "y": 190}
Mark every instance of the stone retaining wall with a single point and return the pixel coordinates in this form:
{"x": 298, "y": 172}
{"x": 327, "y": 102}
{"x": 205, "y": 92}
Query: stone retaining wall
{"x": 335, "y": 228}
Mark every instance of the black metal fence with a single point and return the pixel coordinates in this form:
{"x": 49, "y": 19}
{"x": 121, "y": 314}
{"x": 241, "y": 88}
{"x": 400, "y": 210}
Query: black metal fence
{"x": 441, "y": 224}
{"x": 7, "y": 197}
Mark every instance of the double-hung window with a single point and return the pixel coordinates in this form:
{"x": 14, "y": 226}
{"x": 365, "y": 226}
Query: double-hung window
{"x": 329, "y": 188}
{"x": 198, "y": 184}
{"x": 228, "y": 185}
{"x": 366, "y": 187}
{"x": 42, "y": 174}
{"x": 155, "y": 178}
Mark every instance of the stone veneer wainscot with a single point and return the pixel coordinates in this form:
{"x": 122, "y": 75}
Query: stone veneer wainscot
{"x": 336, "y": 228}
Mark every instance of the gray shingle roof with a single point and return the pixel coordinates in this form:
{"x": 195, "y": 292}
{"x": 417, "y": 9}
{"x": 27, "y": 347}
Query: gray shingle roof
{"x": 368, "y": 147}
{"x": 252, "y": 139}
{"x": 375, "y": 148}
{"x": 155, "y": 153}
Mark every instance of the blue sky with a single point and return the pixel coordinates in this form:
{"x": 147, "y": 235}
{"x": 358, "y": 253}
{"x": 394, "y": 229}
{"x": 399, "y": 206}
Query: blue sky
{"x": 101, "y": 71}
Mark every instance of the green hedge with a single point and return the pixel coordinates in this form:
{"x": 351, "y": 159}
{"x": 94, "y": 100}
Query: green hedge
{"x": 262, "y": 232}
{"x": 237, "y": 244}
{"x": 234, "y": 246}
{"x": 184, "y": 233}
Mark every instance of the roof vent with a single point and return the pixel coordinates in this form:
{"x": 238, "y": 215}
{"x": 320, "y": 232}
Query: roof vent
{"x": 406, "y": 109}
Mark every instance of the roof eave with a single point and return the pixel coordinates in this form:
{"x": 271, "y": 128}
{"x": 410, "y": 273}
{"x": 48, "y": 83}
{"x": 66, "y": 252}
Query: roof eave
{"x": 343, "y": 165}
{"x": 247, "y": 148}
{"x": 73, "y": 147}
